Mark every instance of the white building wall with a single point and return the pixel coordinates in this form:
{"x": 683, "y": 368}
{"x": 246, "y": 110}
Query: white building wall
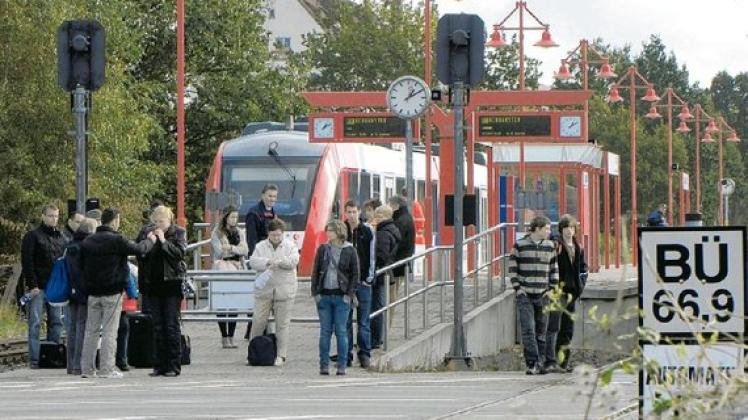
{"x": 288, "y": 21}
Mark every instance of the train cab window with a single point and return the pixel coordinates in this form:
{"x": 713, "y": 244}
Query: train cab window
{"x": 246, "y": 179}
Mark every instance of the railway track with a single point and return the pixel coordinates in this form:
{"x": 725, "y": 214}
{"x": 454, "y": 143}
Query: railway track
{"x": 13, "y": 353}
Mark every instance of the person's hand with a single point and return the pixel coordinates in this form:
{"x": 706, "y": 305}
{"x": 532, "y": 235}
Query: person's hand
{"x": 317, "y": 298}
{"x": 152, "y": 237}
{"x": 35, "y": 291}
{"x": 160, "y": 235}
{"x": 521, "y": 292}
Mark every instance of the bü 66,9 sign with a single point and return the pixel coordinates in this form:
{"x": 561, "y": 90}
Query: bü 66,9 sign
{"x": 701, "y": 270}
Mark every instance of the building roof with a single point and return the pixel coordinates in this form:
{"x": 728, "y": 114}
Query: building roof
{"x": 317, "y": 8}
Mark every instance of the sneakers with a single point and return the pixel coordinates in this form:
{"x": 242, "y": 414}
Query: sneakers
{"x": 171, "y": 374}
{"x": 225, "y": 342}
{"x": 553, "y": 368}
{"x": 325, "y": 371}
{"x": 88, "y": 375}
{"x": 340, "y": 372}
{"x": 123, "y": 367}
{"x": 535, "y": 369}
{"x": 279, "y": 361}
{"x": 365, "y": 362}
{"x": 231, "y": 343}
{"x": 115, "y": 374}
{"x": 74, "y": 372}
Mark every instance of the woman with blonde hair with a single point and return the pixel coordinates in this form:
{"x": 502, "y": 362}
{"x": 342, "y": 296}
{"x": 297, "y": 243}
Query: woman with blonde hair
{"x": 164, "y": 270}
{"x": 229, "y": 249}
{"x": 334, "y": 280}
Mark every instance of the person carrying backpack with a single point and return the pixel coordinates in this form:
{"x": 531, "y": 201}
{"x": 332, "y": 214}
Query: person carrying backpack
{"x": 76, "y": 312}
{"x": 334, "y": 280}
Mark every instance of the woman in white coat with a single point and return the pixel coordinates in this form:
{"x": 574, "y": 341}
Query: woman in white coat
{"x": 275, "y": 259}
{"x": 229, "y": 245}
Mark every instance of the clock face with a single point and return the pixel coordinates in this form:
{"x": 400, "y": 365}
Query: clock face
{"x": 408, "y": 97}
{"x": 323, "y": 128}
{"x": 571, "y": 126}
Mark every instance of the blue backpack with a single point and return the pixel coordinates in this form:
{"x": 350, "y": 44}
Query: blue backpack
{"x": 58, "y": 285}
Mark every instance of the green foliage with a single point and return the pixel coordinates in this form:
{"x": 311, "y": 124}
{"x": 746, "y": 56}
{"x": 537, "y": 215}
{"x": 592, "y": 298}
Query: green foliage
{"x": 502, "y": 69}
{"x": 11, "y": 325}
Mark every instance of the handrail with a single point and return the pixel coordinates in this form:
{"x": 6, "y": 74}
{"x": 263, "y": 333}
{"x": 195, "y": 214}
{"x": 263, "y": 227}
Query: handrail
{"x": 410, "y": 259}
{"x": 191, "y": 247}
{"x": 410, "y": 296}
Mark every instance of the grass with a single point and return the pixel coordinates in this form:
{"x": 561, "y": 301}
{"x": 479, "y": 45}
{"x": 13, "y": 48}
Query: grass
{"x": 11, "y": 324}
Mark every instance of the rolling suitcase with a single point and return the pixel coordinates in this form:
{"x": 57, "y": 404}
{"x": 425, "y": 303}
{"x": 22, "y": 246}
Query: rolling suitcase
{"x": 52, "y": 355}
{"x": 140, "y": 340}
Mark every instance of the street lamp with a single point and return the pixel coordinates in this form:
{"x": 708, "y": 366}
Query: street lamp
{"x": 581, "y": 56}
{"x": 633, "y": 77}
{"x": 684, "y": 115}
{"x": 497, "y": 39}
{"x": 720, "y": 127}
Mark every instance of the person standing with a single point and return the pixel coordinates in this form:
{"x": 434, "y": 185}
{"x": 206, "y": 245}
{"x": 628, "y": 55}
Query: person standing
{"x": 72, "y": 224}
{"x": 572, "y": 273}
{"x": 163, "y": 270}
{"x": 334, "y": 279}
{"x": 368, "y": 208}
{"x": 258, "y": 217}
{"x": 40, "y": 248}
{"x": 387, "y": 237}
{"x": 361, "y": 235}
{"x": 278, "y": 258}
{"x": 533, "y": 271}
{"x": 77, "y": 309}
{"x": 104, "y": 257}
{"x": 229, "y": 250}
{"x": 405, "y": 247}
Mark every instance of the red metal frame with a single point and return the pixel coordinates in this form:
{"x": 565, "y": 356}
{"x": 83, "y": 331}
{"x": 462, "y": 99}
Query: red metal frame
{"x": 181, "y": 219}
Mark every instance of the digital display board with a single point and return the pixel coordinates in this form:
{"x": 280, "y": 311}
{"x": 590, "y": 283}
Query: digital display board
{"x": 514, "y": 126}
{"x": 373, "y": 127}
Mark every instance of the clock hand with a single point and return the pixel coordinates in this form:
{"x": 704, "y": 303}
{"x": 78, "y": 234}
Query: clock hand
{"x": 414, "y": 93}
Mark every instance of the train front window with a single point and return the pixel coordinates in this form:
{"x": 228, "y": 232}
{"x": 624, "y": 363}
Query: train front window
{"x": 294, "y": 189}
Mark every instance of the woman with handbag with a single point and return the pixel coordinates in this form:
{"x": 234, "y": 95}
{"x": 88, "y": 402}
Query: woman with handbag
{"x": 275, "y": 259}
{"x": 229, "y": 249}
{"x": 572, "y": 273}
{"x": 164, "y": 271}
{"x": 334, "y": 280}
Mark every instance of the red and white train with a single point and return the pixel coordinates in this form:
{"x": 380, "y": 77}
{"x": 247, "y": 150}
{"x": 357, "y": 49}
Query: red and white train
{"x": 314, "y": 180}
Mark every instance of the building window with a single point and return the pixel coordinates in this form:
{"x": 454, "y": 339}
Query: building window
{"x": 283, "y": 41}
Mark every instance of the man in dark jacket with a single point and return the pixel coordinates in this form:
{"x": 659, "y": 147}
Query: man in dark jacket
{"x": 406, "y": 247}
{"x": 104, "y": 258}
{"x": 361, "y": 235}
{"x": 657, "y": 218}
{"x": 41, "y": 247}
{"x": 387, "y": 239}
{"x": 259, "y": 216}
{"x": 71, "y": 226}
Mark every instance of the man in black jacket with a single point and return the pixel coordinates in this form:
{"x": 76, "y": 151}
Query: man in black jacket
{"x": 72, "y": 224}
{"x": 361, "y": 235}
{"x": 387, "y": 239}
{"x": 406, "y": 247}
{"x": 41, "y": 247}
{"x": 104, "y": 258}
{"x": 258, "y": 217}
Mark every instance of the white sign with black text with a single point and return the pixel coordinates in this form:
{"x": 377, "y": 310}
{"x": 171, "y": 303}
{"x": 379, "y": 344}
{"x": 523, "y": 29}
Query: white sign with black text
{"x": 686, "y": 368}
{"x": 704, "y": 268}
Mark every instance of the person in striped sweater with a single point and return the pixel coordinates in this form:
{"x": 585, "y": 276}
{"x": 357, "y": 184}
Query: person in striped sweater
{"x": 533, "y": 271}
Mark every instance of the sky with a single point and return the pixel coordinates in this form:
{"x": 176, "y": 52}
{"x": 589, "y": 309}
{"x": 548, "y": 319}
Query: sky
{"x": 706, "y": 36}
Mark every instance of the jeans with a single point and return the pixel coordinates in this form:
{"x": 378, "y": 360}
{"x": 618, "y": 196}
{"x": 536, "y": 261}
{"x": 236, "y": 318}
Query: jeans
{"x": 167, "y": 334}
{"x": 333, "y": 314}
{"x": 103, "y": 315}
{"x": 363, "y": 335}
{"x": 533, "y": 323}
{"x": 377, "y": 303}
{"x": 54, "y": 324}
{"x": 75, "y": 317}
{"x": 122, "y": 334}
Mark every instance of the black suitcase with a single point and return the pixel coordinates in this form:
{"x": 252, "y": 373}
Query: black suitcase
{"x": 262, "y": 350}
{"x": 140, "y": 340}
{"x": 52, "y": 355}
{"x": 186, "y": 350}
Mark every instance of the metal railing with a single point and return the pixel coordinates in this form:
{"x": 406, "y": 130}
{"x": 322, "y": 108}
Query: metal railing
{"x": 488, "y": 249}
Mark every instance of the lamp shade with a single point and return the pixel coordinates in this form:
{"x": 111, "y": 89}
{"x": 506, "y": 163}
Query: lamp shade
{"x": 685, "y": 113}
{"x": 606, "y": 72}
{"x": 614, "y": 96}
{"x": 653, "y": 114}
{"x": 733, "y": 137}
{"x": 651, "y": 95}
{"x": 496, "y": 41}
{"x": 683, "y": 127}
{"x": 707, "y": 138}
{"x": 711, "y": 127}
{"x": 545, "y": 40}
{"x": 563, "y": 72}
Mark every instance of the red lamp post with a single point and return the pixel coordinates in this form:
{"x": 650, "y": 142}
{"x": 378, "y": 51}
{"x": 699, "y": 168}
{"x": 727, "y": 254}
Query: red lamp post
{"x": 684, "y": 115}
{"x": 630, "y": 81}
{"x": 181, "y": 219}
{"x": 720, "y": 128}
{"x": 497, "y": 41}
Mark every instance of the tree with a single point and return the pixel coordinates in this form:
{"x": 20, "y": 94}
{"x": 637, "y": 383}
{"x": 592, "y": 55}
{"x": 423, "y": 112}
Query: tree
{"x": 36, "y": 152}
{"x": 502, "y": 69}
